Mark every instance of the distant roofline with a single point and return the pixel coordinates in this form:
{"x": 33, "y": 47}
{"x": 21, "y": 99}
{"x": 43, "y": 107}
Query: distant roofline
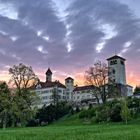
{"x": 115, "y": 57}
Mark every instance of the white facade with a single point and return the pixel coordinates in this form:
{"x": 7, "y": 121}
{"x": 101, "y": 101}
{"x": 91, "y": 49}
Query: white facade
{"x": 46, "y": 95}
{"x": 129, "y": 90}
{"x": 69, "y": 83}
{"x": 80, "y": 96}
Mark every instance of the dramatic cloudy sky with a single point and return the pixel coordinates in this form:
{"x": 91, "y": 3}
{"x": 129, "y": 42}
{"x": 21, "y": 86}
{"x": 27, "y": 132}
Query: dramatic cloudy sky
{"x": 69, "y": 35}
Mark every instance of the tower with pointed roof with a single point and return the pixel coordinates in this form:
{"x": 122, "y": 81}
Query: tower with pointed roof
{"x": 49, "y": 75}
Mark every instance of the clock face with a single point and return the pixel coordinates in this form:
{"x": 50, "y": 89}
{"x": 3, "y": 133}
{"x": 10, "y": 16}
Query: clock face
{"x": 113, "y": 62}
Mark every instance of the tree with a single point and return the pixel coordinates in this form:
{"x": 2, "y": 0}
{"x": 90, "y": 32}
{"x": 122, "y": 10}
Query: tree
{"x": 97, "y": 75}
{"x": 5, "y": 103}
{"x": 22, "y": 76}
{"x": 137, "y": 90}
{"x": 125, "y": 112}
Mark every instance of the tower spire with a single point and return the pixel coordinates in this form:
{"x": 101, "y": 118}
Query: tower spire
{"x": 49, "y": 75}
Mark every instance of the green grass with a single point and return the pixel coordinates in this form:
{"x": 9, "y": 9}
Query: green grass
{"x": 90, "y": 132}
{"x": 71, "y": 128}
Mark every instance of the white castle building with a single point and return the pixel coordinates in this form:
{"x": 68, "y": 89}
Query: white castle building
{"x": 71, "y": 93}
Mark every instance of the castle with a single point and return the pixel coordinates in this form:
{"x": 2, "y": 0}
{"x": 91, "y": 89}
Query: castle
{"x": 78, "y": 94}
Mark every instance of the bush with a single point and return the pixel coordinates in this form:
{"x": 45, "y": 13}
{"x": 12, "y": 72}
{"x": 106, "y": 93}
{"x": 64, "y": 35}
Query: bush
{"x": 102, "y": 114}
{"x": 115, "y": 113}
{"x": 48, "y": 114}
{"x": 87, "y": 114}
{"x": 83, "y": 114}
{"x": 32, "y": 123}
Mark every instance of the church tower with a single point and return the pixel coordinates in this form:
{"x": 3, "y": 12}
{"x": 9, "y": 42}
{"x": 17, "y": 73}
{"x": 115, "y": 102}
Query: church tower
{"x": 49, "y": 75}
{"x": 116, "y": 66}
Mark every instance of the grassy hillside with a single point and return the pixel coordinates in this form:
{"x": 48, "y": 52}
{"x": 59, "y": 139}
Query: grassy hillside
{"x": 71, "y": 128}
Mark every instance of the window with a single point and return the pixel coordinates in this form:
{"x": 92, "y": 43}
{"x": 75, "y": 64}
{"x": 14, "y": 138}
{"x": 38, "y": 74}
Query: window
{"x": 44, "y": 98}
{"x": 59, "y": 90}
{"x": 122, "y": 62}
{"x": 113, "y": 62}
{"x": 113, "y": 71}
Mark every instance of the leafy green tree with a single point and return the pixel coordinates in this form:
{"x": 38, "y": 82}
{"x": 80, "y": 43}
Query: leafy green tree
{"x": 23, "y": 77}
{"x": 5, "y": 103}
{"x": 125, "y": 112}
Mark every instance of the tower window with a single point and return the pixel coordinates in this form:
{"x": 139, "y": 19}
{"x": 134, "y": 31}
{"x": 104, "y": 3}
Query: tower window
{"x": 113, "y": 71}
{"x": 122, "y": 62}
{"x": 113, "y": 62}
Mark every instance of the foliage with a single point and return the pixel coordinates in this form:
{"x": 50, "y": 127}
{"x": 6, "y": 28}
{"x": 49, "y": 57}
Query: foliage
{"x": 48, "y": 114}
{"x": 87, "y": 114}
{"x": 134, "y": 106}
{"x": 125, "y": 112}
{"x": 17, "y": 104}
{"x": 113, "y": 111}
{"x": 5, "y": 104}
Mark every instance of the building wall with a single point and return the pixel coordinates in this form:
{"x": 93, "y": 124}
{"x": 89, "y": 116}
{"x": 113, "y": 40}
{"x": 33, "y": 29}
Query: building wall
{"x": 45, "y": 95}
{"x": 69, "y": 83}
{"x": 79, "y": 96}
{"x": 117, "y": 71}
{"x": 129, "y": 90}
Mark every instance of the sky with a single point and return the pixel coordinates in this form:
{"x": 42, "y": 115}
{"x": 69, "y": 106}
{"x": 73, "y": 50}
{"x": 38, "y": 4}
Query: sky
{"x": 69, "y": 36}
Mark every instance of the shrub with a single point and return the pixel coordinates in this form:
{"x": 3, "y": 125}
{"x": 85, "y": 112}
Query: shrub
{"x": 125, "y": 112}
{"x": 102, "y": 114}
{"x": 115, "y": 113}
{"x": 83, "y": 114}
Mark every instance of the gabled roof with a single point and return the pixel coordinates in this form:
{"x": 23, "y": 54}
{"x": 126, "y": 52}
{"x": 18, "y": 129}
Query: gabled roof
{"x": 116, "y": 57}
{"x": 69, "y": 78}
{"x": 49, "y": 71}
{"x": 81, "y": 88}
{"x": 49, "y": 84}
